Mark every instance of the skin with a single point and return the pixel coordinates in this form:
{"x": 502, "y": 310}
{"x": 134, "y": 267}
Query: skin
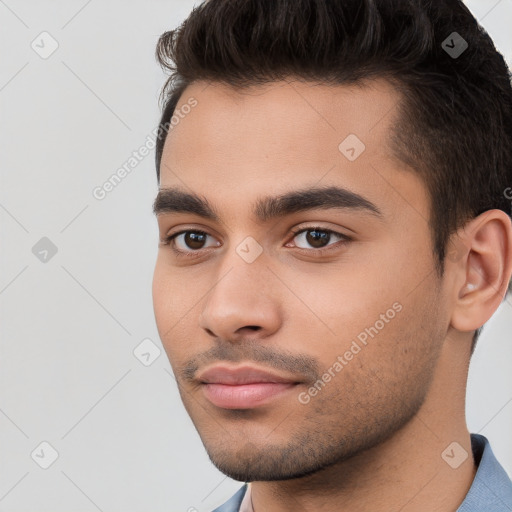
{"x": 373, "y": 437}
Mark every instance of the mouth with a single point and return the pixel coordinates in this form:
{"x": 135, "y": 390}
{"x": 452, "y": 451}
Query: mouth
{"x": 244, "y": 387}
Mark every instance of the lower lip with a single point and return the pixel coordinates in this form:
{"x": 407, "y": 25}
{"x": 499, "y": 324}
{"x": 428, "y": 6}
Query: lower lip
{"x": 244, "y": 396}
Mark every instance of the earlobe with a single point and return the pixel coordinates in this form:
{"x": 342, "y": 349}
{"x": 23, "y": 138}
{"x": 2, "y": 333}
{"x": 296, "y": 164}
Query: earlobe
{"x": 485, "y": 270}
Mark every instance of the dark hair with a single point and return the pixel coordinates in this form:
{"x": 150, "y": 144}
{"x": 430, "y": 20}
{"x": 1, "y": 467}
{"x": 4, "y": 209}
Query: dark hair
{"x": 455, "y": 121}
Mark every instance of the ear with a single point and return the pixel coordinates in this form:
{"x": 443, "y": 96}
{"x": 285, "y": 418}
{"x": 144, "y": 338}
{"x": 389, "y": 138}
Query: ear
{"x": 483, "y": 267}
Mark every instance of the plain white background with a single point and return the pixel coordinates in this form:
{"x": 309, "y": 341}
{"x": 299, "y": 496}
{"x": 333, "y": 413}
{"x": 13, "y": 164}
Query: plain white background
{"x": 69, "y": 326}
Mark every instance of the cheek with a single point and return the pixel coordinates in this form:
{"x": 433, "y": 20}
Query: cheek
{"x": 340, "y": 302}
{"x": 173, "y": 295}
{"x": 366, "y": 280}
{"x": 170, "y": 305}
{"x": 365, "y": 373}
{"x": 176, "y": 307}
{"x": 162, "y": 295}
{"x": 380, "y": 312}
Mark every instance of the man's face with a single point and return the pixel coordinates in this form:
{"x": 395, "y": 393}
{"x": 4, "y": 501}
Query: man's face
{"x": 340, "y": 302}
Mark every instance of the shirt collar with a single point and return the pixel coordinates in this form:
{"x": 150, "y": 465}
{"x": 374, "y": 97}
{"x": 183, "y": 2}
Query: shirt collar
{"x": 491, "y": 489}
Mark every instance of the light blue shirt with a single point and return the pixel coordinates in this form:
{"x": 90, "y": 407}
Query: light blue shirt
{"x": 491, "y": 490}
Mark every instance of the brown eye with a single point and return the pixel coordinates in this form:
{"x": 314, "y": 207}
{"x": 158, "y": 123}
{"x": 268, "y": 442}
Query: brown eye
{"x": 194, "y": 240}
{"x": 317, "y": 238}
{"x": 189, "y": 241}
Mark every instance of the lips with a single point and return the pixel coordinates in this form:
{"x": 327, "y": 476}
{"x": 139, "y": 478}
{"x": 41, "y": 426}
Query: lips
{"x": 241, "y": 375}
{"x": 244, "y": 387}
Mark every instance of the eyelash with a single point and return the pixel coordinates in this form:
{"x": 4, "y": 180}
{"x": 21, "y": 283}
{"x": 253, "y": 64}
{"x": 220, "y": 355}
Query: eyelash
{"x": 196, "y": 253}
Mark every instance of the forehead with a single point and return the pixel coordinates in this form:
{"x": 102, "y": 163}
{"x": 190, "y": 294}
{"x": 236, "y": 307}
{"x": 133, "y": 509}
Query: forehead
{"x": 268, "y": 137}
{"x": 285, "y": 111}
{"x": 266, "y": 117}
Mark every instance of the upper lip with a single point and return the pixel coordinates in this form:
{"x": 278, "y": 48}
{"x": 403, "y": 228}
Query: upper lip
{"x": 241, "y": 375}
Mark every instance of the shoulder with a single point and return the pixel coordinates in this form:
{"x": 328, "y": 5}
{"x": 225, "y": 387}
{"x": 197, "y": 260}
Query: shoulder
{"x": 491, "y": 489}
{"x": 233, "y": 504}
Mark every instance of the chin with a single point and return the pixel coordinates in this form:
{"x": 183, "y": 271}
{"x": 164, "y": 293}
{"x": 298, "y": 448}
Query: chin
{"x": 249, "y": 462}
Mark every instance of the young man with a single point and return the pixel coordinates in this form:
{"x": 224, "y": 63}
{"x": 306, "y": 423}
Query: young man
{"x": 335, "y": 230}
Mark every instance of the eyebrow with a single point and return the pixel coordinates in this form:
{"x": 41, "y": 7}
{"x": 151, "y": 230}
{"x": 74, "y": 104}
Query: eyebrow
{"x": 175, "y": 200}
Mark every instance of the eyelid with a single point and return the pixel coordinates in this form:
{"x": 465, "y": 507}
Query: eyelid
{"x": 315, "y": 227}
{"x": 169, "y": 234}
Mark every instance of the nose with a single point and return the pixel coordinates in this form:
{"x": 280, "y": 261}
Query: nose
{"x": 244, "y": 303}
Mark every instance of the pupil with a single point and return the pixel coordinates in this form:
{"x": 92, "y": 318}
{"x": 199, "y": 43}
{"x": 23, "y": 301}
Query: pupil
{"x": 194, "y": 240}
{"x": 317, "y": 238}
